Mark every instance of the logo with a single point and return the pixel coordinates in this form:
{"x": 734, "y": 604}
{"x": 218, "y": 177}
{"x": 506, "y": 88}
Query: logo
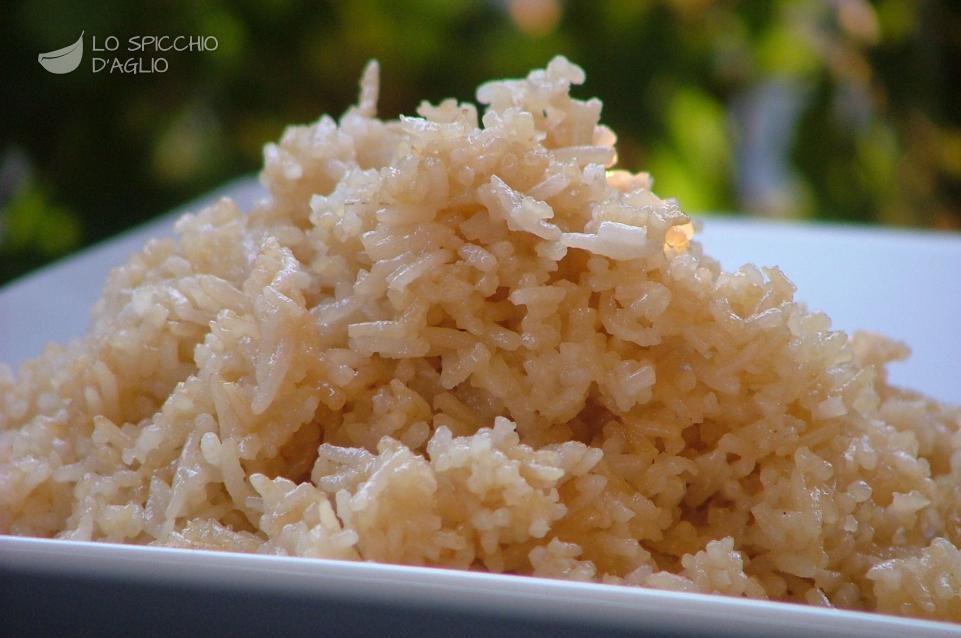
{"x": 134, "y": 55}
{"x": 63, "y": 60}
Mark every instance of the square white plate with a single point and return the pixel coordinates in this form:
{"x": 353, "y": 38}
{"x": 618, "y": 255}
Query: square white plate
{"x": 903, "y": 284}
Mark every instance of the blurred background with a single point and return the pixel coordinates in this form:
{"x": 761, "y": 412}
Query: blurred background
{"x": 842, "y": 110}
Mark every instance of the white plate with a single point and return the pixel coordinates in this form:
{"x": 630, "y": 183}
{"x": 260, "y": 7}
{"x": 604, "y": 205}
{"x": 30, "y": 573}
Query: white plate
{"x": 412, "y": 600}
{"x": 904, "y": 284}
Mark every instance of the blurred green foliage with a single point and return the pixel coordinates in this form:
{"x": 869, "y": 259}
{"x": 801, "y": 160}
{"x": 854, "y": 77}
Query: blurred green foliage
{"x": 845, "y": 110}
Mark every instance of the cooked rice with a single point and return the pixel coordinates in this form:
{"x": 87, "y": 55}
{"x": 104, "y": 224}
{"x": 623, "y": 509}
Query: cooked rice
{"x": 462, "y": 341}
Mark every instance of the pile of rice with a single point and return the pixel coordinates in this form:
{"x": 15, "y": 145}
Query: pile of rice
{"x": 461, "y": 340}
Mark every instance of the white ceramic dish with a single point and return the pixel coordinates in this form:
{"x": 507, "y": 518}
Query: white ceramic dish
{"x": 459, "y": 600}
{"x": 898, "y": 283}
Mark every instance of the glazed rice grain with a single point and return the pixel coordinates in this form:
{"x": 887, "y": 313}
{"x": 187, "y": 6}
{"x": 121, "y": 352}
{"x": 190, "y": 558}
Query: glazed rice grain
{"x": 463, "y": 340}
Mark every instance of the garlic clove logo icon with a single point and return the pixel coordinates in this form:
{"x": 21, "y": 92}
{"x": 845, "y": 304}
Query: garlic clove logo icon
{"x": 63, "y": 60}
